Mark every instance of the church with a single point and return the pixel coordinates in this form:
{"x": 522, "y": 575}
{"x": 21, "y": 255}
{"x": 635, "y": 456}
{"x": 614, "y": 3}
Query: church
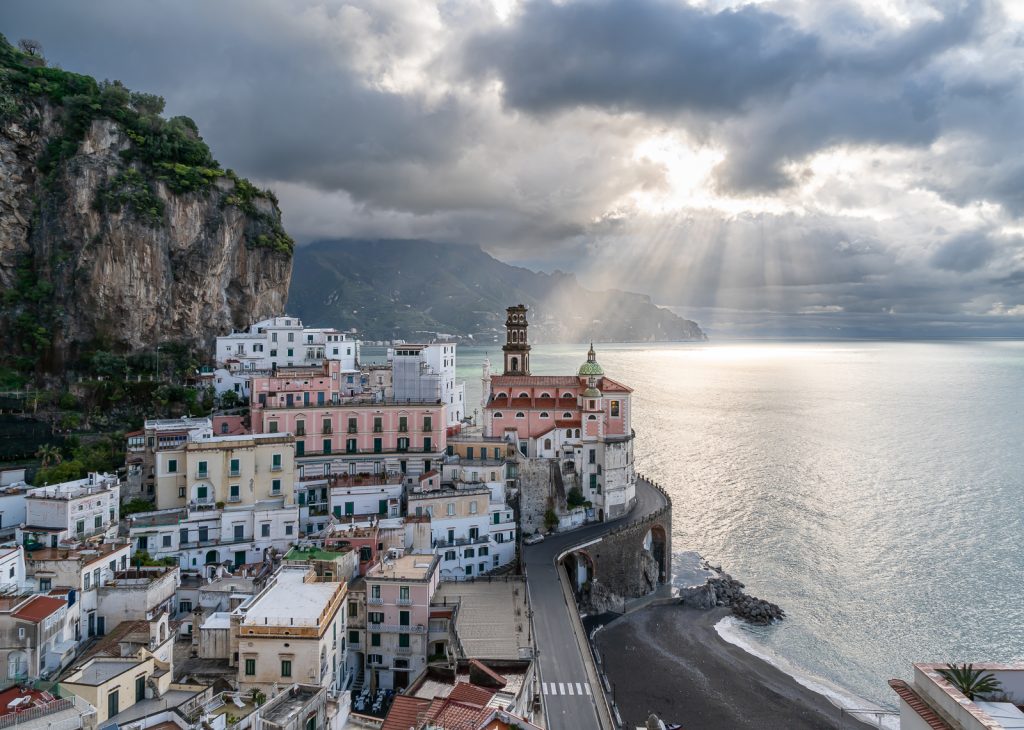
{"x": 579, "y": 423}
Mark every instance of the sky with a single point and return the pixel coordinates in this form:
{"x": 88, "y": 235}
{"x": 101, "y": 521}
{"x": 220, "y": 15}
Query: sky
{"x": 850, "y": 167}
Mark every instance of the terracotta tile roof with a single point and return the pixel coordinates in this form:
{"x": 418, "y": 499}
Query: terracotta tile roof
{"x": 472, "y": 694}
{"x": 405, "y": 712}
{"x": 607, "y": 385}
{"x": 535, "y": 380}
{"x": 918, "y": 705}
{"x": 39, "y": 608}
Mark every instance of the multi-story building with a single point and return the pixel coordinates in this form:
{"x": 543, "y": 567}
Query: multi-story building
{"x": 472, "y": 530}
{"x": 349, "y": 435}
{"x": 398, "y": 594}
{"x": 580, "y": 423}
{"x": 205, "y": 469}
{"x": 12, "y": 509}
{"x": 930, "y": 701}
{"x": 205, "y": 539}
{"x": 425, "y": 373}
{"x": 12, "y": 568}
{"x": 83, "y": 571}
{"x": 71, "y": 511}
{"x": 157, "y": 434}
{"x": 347, "y": 495}
{"x": 36, "y": 634}
{"x": 138, "y": 593}
{"x": 293, "y": 631}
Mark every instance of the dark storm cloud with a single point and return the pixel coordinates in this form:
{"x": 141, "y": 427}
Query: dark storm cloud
{"x": 644, "y": 55}
{"x": 964, "y": 253}
{"x": 780, "y": 92}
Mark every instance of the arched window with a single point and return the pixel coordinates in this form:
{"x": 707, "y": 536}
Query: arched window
{"x": 545, "y": 395}
{"x": 520, "y": 415}
{"x": 547, "y": 444}
{"x": 524, "y": 395}
{"x": 501, "y": 395}
{"x": 567, "y": 415}
{"x": 515, "y": 335}
{"x": 515, "y": 364}
{"x": 568, "y": 433}
{"x": 545, "y": 414}
{"x": 498, "y": 415}
{"x": 591, "y": 418}
{"x": 567, "y": 395}
{"x": 577, "y": 433}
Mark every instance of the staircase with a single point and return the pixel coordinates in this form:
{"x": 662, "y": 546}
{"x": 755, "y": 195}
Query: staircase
{"x": 357, "y": 685}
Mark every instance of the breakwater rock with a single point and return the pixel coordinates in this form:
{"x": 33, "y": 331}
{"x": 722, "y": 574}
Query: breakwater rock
{"x": 721, "y": 589}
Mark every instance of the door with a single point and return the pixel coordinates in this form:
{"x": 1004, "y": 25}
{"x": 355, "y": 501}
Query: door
{"x": 101, "y": 626}
{"x": 289, "y": 400}
{"x": 382, "y": 506}
{"x": 112, "y": 704}
{"x": 320, "y": 398}
{"x": 140, "y": 688}
{"x": 239, "y": 558}
{"x": 378, "y": 445}
{"x": 300, "y": 448}
{"x": 92, "y": 624}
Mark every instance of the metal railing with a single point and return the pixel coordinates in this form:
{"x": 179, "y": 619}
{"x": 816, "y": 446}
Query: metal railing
{"x": 397, "y": 628}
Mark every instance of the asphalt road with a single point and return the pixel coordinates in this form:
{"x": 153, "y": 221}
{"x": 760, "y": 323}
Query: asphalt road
{"x": 569, "y": 700}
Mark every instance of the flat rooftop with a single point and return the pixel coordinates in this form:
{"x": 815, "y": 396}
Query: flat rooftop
{"x": 99, "y": 671}
{"x": 289, "y": 703}
{"x": 493, "y": 617}
{"x": 312, "y": 554}
{"x": 407, "y": 567}
{"x": 218, "y": 620}
{"x": 290, "y": 600}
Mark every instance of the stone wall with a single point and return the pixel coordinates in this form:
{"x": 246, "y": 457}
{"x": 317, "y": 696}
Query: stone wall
{"x": 535, "y": 492}
{"x": 623, "y": 568}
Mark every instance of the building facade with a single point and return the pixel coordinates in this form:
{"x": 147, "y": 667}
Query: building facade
{"x": 71, "y": 511}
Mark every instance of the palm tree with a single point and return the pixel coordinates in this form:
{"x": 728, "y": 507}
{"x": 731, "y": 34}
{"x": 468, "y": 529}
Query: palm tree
{"x": 49, "y": 454}
{"x": 971, "y": 681}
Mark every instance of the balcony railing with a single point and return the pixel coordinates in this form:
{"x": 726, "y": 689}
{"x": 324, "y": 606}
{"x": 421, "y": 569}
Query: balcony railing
{"x": 459, "y": 541}
{"x": 327, "y": 428}
{"x": 404, "y": 602}
{"x": 353, "y": 429}
{"x": 378, "y": 429}
{"x": 202, "y": 474}
{"x": 403, "y": 650}
{"x": 396, "y": 628}
{"x": 234, "y": 472}
{"x": 378, "y": 601}
{"x": 234, "y": 498}
{"x": 275, "y": 467}
{"x": 300, "y": 431}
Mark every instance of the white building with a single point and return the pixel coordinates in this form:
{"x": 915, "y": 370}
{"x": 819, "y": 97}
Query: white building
{"x": 293, "y": 631}
{"x": 12, "y": 566}
{"x": 12, "y": 508}
{"x": 425, "y": 374}
{"x": 206, "y": 539}
{"x": 279, "y": 342}
{"x": 71, "y": 511}
{"x": 472, "y": 529}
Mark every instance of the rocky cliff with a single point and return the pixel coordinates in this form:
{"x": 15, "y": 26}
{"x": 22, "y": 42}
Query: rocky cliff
{"x": 118, "y": 230}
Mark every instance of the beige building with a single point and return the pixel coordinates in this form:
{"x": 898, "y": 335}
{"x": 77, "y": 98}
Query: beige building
{"x": 292, "y": 631}
{"x": 205, "y": 470}
{"x": 112, "y": 685}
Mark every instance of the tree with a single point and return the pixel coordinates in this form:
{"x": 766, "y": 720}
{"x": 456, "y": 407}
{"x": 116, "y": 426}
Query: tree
{"x": 148, "y": 104}
{"x": 970, "y": 681}
{"x": 31, "y": 47}
{"x": 229, "y": 399}
{"x": 49, "y": 454}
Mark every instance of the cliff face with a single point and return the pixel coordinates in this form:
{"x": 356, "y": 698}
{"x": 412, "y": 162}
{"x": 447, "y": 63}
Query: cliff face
{"x": 104, "y": 247}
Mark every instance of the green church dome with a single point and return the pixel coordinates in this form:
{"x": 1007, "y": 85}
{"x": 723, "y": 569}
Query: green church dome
{"x": 591, "y": 366}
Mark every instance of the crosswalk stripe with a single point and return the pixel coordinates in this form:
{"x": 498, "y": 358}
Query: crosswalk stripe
{"x": 561, "y": 688}
{"x": 545, "y": 686}
{"x": 570, "y": 688}
{"x": 579, "y": 690}
{"x": 587, "y": 687}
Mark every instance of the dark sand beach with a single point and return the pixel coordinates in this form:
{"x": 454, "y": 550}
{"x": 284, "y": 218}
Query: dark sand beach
{"x": 671, "y": 661}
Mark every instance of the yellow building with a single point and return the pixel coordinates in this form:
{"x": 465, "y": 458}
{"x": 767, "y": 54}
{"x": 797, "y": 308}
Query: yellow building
{"x": 114, "y": 684}
{"x": 207, "y": 469}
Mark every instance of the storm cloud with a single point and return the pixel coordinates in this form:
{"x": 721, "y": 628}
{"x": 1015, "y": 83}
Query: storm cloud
{"x": 840, "y": 161}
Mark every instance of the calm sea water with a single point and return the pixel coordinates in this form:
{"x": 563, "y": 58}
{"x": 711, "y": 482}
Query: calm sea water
{"x": 874, "y": 490}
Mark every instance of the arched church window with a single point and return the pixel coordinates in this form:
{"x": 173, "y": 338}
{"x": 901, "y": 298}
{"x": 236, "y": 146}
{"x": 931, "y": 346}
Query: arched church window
{"x": 547, "y": 444}
{"x": 520, "y": 415}
{"x": 524, "y": 395}
{"x": 568, "y": 433}
{"x": 545, "y": 414}
{"x": 498, "y": 415}
{"x": 567, "y": 415}
{"x": 545, "y": 395}
{"x": 577, "y": 433}
{"x": 591, "y": 418}
{"x": 567, "y": 395}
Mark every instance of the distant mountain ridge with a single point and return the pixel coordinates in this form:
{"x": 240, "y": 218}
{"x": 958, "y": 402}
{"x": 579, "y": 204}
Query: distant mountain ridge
{"x": 411, "y": 289}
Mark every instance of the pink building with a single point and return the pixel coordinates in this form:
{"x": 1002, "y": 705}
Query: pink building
{"x": 582, "y": 421}
{"x": 338, "y": 432}
{"x": 398, "y": 595}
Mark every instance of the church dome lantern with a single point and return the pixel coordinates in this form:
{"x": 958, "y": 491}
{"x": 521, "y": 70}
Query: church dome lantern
{"x": 591, "y": 368}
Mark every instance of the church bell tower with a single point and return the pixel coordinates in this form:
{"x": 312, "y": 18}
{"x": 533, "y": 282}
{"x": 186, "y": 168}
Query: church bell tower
{"x": 517, "y": 345}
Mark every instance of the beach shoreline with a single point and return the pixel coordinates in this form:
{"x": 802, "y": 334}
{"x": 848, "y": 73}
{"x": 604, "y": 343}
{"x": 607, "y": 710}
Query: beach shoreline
{"x": 705, "y": 681}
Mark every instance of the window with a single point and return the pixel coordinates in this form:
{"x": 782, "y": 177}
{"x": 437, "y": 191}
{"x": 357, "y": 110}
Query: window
{"x": 234, "y": 496}
{"x": 469, "y": 553}
{"x": 427, "y": 444}
{"x": 275, "y": 486}
{"x": 520, "y": 414}
{"x": 353, "y": 609}
{"x": 236, "y": 468}
{"x": 377, "y": 424}
{"x": 80, "y": 526}
{"x": 403, "y": 593}
{"x": 451, "y": 508}
{"x": 202, "y": 470}
{"x": 472, "y": 507}
{"x": 375, "y": 592}
{"x": 181, "y": 492}
{"x": 403, "y": 641}
{"x": 45, "y": 584}
{"x": 592, "y": 458}
{"x": 403, "y": 423}
{"x": 593, "y": 481}
{"x": 498, "y": 414}
{"x": 350, "y": 446}
{"x": 375, "y": 617}
{"x": 352, "y": 427}
{"x": 545, "y": 414}
{"x": 250, "y": 667}
{"x": 291, "y": 352}
{"x": 167, "y": 541}
{"x": 204, "y": 534}
{"x": 87, "y": 582}
{"x": 428, "y": 423}
{"x": 272, "y": 427}
{"x": 239, "y": 532}
{"x": 300, "y": 428}
{"x": 403, "y": 444}
{"x": 201, "y": 493}
{"x": 172, "y": 466}
{"x": 286, "y": 668}
{"x": 276, "y": 463}
{"x": 353, "y": 636}
{"x": 615, "y": 408}
{"x": 374, "y": 639}
{"x": 403, "y": 618}
{"x": 288, "y": 529}
{"x": 482, "y": 552}
{"x": 265, "y": 529}
{"x": 449, "y": 555}
{"x": 98, "y": 522}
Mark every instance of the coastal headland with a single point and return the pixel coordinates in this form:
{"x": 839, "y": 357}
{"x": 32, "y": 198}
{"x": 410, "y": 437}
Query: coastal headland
{"x": 704, "y": 681}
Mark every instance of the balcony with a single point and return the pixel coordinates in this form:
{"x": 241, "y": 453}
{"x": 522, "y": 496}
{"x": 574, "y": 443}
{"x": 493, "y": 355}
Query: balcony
{"x": 403, "y": 650}
{"x": 396, "y": 629}
{"x": 300, "y": 430}
{"x": 378, "y": 601}
{"x": 202, "y": 474}
{"x": 404, "y": 602}
{"x": 327, "y": 428}
{"x": 275, "y": 467}
{"x": 378, "y": 429}
{"x": 234, "y": 498}
{"x": 203, "y": 502}
{"x": 459, "y": 541}
{"x": 353, "y": 429}
{"x": 234, "y": 472}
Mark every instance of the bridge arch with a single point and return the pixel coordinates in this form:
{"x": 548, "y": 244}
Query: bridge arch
{"x": 579, "y": 565}
{"x": 656, "y": 543}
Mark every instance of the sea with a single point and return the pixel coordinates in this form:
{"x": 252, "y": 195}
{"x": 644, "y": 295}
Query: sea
{"x": 874, "y": 490}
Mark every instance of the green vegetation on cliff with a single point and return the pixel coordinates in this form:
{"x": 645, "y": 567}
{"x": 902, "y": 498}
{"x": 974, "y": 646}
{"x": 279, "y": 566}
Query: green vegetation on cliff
{"x": 169, "y": 150}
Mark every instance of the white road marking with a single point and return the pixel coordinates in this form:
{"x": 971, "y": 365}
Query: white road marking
{"x": 586, "y": 687}
{"x": 579, "y": 690}
{"x": 561, "y": 688}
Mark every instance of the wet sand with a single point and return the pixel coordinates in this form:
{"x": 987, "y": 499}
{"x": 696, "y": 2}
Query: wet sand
{"x": 671, "y": 661}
